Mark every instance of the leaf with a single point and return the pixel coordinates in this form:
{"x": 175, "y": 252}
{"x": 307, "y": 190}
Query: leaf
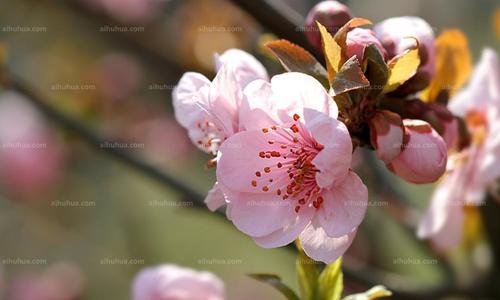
{"x": 375, "y": 69}
{"x": 296, "y": 59}
{"x": 350, "y": 77}
{"x": 276, "y": 282}
{"x": 331, "y": 282}
{"x": 332, "y": 51}
{"x": 453, "y": 65}
{"x": 402, "y": 68}
{"x": 307, "y": 273}
{"x": 341, "y": 35}
{"x": 375, "y": 292}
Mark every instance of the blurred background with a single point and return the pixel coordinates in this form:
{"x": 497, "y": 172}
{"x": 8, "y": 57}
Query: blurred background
{"x": 78, "y": 224}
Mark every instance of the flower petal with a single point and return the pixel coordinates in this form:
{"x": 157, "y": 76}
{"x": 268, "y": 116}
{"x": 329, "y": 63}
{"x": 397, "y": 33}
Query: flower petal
{"x": 320, "y": 247}
{"x": 344, "y": 206}
{"x": 215, "y": 198}
{"x": 191, "y": 90}
{"x": 246, "y": 67}
{"x": 334, "y": 160}
{"x": 258, "y": 108}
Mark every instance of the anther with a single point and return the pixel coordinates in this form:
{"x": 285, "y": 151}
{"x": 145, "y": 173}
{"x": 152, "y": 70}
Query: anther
{"x": 296, "y": 117}
{"x": 267, "y": 169}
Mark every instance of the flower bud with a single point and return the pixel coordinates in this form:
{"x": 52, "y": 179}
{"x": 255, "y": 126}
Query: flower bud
{"x": 386, "y": 134}
{"x": 424, "y": 155}
{"x": 331, "y": 14}
{"x": 358, "y": 39}
{"x": 394, "y": 34}
{"x": 444, "y": 122}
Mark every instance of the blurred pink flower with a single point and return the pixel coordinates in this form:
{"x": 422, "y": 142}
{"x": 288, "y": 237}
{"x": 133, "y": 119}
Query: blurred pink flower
{"x": 31, "y": 157}
{"x": 424, "y": 154}
{"x": 135, "y": 11}
{"x": 288, "y": 174}
{"x": 360, "y": 38}
{"x": 331, "y": 14}
{"x": 61, "y": 281}
{"x": 471, "y": 171}
{"x": 386, "y": 134}
{"x": 171, "y": 282}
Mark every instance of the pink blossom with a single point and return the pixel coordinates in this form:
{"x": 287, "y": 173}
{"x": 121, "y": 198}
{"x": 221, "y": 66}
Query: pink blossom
{"x": 288, "y": 174}
{"x": 171, "y": 282}
{"x": 331, "y": 14}
{"x": 395, "y": 35}
{"x": 423, "y": 158}
{"x": 31, "y": 156}
{"x": 386, "y": 134}
{"x": 472, "y": 170}
{"x": 360, "y": 38}
{"x": 209, "y": 110}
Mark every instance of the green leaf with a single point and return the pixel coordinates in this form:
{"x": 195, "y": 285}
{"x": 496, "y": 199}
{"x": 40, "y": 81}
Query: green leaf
{"x": 276, "y": 282}
{"x": 350, "y": 77}
{"x": 331, "y": 281}
{"x": 375, "y": 292}
{"x": 375, "y": 69}
{"x": 332, "y": 51}
{"x": 402, "y": 68}
{"x": 307, "y": 273}
{"x": 296, "y": 59}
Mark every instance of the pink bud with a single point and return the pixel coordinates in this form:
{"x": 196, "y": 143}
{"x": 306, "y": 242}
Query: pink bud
{"x": 394, "y": 34}
{"x": 358, "y": 39}
{"x": 331, "y": 14}
{"x": 386, "y": 134}
{"x": 423, "y": 159}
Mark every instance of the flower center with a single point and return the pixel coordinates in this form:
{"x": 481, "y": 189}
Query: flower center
{"x": 210, "y": 137}
{"x": 292, "y": 175}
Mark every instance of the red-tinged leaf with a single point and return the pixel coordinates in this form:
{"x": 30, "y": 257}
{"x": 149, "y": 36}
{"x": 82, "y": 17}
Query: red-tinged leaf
{"x": 350, "y": 77}
{"x": 296, "y": 59}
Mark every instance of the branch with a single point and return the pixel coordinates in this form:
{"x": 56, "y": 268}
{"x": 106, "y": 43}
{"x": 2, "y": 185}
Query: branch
{"x": 281, "y": 19}
{"x": 9, "y": 81}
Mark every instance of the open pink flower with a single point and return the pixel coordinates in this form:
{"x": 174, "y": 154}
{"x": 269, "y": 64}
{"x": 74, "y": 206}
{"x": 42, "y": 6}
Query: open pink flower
{"x": 171, "y": 282}
{"x": 472, "y": 170}
{"x": 288, "y": 174}
{"x": 210, "y": 110}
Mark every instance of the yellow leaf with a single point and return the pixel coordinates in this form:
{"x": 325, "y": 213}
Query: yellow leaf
{"x": 332, "y": 51}
{"x": 402, "y": 68}
{"x": 496, "y": 22}
{"x": 453, "y": 65}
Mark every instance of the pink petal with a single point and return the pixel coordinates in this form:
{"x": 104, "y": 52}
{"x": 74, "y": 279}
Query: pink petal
{"x": 386, "y": 134}
{"x": 245, "y": 66}
{"x": 259, "y": 108}
{"x": 215, "y": 198}
{"x": 259, "y": 215}
{"x": 239, "y": 161}
{"x": 191, "y": 89}
{"x": 334, "y": 160}
{"x": 296, "y": 92}
{"x": 344, "y": 206}
{"x": 289, "y": 232}
{"x": 318, "y": 246}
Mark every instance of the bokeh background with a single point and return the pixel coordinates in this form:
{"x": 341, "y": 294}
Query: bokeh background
{"x": 76, "y": 223}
